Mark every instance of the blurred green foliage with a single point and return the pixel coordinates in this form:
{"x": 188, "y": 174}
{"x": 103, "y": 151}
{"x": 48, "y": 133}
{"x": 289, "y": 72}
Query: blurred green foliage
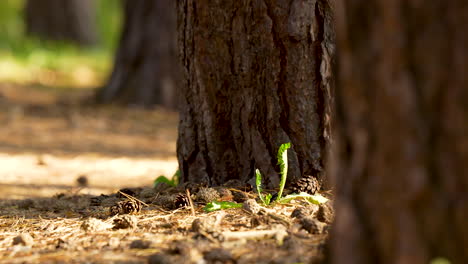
{"x": 24, "y": 58}
{"x": 215, "y": 206}
{"x": 110, "y": 15}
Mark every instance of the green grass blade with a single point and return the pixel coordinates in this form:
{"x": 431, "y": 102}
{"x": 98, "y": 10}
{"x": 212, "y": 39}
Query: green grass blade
{"x": 215, "y": 205}
{"x": 258, "y": 183}
{"x": 163, "y": 179}
{"x": 268, "y": 198}
{"x": 283, "y": 162}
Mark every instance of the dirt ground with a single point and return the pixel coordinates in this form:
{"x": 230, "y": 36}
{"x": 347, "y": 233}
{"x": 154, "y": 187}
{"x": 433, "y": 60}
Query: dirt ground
{"x": 48, "y": 140}
{"x": 63, "y": 163}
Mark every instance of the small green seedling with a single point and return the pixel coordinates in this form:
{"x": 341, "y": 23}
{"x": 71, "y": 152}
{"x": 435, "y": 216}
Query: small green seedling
{"x": 266, "y": 199}
{"x": 283, "y": 162}
{"x": 215, "y": 205}
{"x": 258, "y": 182}
{"x": 163, "y": 179}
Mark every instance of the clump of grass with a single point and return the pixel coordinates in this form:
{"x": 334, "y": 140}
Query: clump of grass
{"x": 283, "y": 162}
{"x": 267, "y": 198}
{"x": 258, "y": 182}
{"x": 174, "y": 181}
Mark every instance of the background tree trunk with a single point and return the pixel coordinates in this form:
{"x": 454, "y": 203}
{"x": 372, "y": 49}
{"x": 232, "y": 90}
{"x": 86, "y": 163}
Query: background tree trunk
{"x": 256, "y": 75}
{"x": 145, "y": 71}
{"x": 69, "y": 20}
{"x": 402, "y": 136}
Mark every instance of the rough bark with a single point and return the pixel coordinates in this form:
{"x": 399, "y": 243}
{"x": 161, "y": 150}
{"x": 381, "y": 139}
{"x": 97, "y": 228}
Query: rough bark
{"x": 145, "y": 71}
{"x": 64, "y": 20}
{"x": 256, "y": 74}
{"x": 402, "y": 132}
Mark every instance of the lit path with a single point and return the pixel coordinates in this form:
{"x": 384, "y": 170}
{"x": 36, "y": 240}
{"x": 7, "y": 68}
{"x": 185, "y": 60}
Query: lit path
{"x": 30, "y": 175}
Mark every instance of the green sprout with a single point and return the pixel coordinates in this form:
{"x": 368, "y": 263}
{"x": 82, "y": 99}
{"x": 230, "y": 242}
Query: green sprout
{"x": 215, "y": 205}
{"x": 283, "y": 162}
{"x": 171, "y": 182}
{"x": 266, "y": 199}
{"x": 258, "y": 182}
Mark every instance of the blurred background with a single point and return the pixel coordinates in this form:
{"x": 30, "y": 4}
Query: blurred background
{"x": 61, "y": 119}
{"x": 41, "y": 55}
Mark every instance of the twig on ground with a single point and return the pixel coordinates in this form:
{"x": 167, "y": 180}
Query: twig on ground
{"x": 192, "y": 208}
{"x": 133, "y": 198}
{"x": 246, "y": 193}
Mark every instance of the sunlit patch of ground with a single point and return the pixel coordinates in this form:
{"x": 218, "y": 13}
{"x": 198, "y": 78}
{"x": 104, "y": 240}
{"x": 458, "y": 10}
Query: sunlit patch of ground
{"x": 81, "y": 75}
{"x": 30, "y": 175}
{"x": 48, "y": 138}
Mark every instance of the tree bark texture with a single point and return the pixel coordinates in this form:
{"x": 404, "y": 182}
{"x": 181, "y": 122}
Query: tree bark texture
{"x": 402, "y": 132}
{"x": 63, "y": 20}
{"x": 256, "y": 74}
{"x": 145, "y": 71}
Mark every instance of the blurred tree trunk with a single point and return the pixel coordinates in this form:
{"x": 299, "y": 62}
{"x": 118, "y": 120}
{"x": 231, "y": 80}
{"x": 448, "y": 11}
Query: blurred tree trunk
{"x": 402, "y": 132}
{"x": 69, "y": 20}
{"x": 145, "y": 70}
{"x": 256, "y": 74}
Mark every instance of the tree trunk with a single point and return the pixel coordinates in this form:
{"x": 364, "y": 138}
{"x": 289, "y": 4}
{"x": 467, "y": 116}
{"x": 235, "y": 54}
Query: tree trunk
{"x": 64, "y": 20}
{"x": 402, "y": 132}
{"x": 256, "y": 75}
{"x": 145, "y": 71}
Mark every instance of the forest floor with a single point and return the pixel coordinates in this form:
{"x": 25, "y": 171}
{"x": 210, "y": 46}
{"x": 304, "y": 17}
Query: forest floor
{"x": 63, "y": 163}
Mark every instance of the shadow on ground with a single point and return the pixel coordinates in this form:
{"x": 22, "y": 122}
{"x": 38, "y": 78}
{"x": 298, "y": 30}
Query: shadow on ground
{"x": 55, "y": 121}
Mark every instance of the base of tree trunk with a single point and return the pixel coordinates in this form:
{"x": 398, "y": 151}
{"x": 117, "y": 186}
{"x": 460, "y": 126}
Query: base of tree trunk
{"x": 257, "y": 74}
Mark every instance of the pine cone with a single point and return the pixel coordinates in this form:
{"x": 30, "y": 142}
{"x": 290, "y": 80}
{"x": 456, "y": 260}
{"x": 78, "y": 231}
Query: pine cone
{"x": 125, "y": 207}
{"x": 131, "y": 207}
{"x": 181, "y": 201}
{"x": 307, "y": 183}
{"x": 116, "y": 209}
{"x": 125, "y": 221}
